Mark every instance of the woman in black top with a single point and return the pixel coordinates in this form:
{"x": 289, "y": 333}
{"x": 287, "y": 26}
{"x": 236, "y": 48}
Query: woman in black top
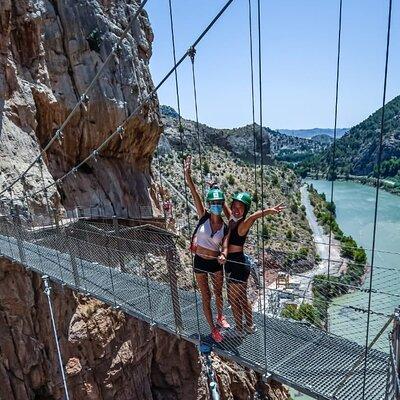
{"x": 236, "y": 267}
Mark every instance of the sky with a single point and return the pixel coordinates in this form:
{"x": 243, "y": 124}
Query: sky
{"x": 299, "y": 51}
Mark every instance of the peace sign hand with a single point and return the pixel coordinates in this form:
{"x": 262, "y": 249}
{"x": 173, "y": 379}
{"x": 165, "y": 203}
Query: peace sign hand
{"x": 277, "y": 209}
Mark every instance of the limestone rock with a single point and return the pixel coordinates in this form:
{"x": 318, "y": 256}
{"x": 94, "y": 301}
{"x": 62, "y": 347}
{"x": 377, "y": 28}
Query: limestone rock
{"x": 49, "y": 53}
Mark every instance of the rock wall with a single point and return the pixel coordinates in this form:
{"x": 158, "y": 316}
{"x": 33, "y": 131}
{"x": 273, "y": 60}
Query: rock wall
{"x": 49, "y": 52}
{"x": 107, "y": 354}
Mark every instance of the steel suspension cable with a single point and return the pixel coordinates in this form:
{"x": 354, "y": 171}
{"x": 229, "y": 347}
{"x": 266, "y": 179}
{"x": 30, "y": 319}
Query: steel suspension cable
{"x": 120, "y": 129}
{"x": 178, "y": 104}
{"x": 333, "y": 155}
{"x": 253, "y": 117}
{"x": 82, "y": 100}
{"x": 180, "y": 128}
{"x": 379, "y": 161}
{"x": 47, "y": 291}
{"x": 262, "y": 173}
{"x": 192, "y": 55}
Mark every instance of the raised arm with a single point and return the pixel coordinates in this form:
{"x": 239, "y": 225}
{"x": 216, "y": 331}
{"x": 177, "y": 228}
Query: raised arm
{"x": 196, "y": 197}
{"x": 224, "y": 249}
{"x": 249, "y": 221}
{"x": 227, "y": 211}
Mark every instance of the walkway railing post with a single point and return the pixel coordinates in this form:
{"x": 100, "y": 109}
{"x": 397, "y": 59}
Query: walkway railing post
{"x": 146, "y": 272}
{"x": 117, "y": 234}
{"x": 110, "y": 268}
{"x": 71, "y": 251}
{"x": 396, "y": 352}
{"x": 8, "y": 234}
{"x": 56, "y": 219}
{"x": 173, "y": 284}
{"x": 47, "y": 291}
{"x": 19, "y": 236}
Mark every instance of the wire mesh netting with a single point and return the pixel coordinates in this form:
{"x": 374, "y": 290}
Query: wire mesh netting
{"x": 295, "y": 327}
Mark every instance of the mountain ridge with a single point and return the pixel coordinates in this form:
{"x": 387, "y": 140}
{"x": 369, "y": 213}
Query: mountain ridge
{"x": 240, "y": 140}
{"x": 311, "y": 132}
{"x": 356, "y": 153}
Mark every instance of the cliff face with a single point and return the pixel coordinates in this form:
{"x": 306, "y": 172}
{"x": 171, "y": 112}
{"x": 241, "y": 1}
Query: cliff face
{"x": 50, "y": 50}
{"x": 107, "y": 354}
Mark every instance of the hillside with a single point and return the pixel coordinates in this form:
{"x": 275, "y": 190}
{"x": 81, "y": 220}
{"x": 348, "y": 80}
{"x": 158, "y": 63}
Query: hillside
{"x": 323, "y": 139}
{"x": 240, "y": 142}
{"x": 357, "y": 151}
{"x": 288, "y": 234}
{"x": 309, "y": 133}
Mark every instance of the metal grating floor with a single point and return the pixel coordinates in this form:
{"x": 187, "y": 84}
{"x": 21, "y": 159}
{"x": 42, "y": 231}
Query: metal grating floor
{"x": 298, "y": 355}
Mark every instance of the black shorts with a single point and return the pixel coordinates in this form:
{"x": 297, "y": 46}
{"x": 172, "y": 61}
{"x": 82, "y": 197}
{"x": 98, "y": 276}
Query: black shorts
{"x": 205, "y": 265}
{"x": 237, "y": 268}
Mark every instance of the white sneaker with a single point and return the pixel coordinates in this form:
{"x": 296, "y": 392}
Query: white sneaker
{"x": 250, "y": 329}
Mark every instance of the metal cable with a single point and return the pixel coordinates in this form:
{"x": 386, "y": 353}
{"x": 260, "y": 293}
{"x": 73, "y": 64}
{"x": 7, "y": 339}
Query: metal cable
{"x": 192, "y": 54}
{"x": 253, "y": 118}
{"x": 181, "y": 130}
{"x": 332, "y": 174}
{"x": 47, "y": 291}
{"x": 178, "y": 103}
{"x": 262, "y": 171}
{"x": 377, "y": 193}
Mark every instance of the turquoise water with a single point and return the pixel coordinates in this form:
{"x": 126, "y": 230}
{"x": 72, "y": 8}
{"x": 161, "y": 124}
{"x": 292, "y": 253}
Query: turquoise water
{"x": 355, "y": 214}
{"x": 355, "y": 205}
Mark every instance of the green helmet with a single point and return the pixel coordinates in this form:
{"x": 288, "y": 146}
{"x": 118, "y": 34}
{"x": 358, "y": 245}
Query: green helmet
{"x": 215, "y": 194}
{"x": 244, "y": 198}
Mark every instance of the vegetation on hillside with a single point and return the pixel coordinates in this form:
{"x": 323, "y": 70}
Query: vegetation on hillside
{"x": 326, "y": 288}
{"x": 287, "y": 235}
{"x": 356, "y": 153}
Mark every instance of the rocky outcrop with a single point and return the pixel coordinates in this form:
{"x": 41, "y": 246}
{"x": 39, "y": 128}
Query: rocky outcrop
{"x": 50, "y": 50}
{"x": 107, "y": 354}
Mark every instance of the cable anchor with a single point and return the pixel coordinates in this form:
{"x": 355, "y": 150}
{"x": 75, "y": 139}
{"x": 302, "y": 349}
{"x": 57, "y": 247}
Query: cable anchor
{"x": 191, "y": 53}
{"x": 85, "y": 98}
{"x": 47, "y": 287}
{"x": 120, "y": 131}
{"x": 95, "y": 154}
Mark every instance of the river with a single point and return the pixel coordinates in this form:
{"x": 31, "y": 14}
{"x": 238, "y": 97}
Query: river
{"x": 355, "y": 205}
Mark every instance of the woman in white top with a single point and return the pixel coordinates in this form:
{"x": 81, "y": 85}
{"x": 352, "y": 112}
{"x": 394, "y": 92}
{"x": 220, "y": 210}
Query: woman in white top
{"x": 210, "y": 251}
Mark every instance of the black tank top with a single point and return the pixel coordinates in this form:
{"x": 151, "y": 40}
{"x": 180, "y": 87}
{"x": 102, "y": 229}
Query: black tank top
{"x": 235, "y": 238}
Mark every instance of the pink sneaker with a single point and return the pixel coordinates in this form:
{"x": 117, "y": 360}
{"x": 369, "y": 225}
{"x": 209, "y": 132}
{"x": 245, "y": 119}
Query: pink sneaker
{"x": 216, "y": 335}
{"x": 222, "y": 322}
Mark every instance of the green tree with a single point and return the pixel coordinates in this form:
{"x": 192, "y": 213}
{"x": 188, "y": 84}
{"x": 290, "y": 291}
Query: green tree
{"x": 265, "y": 232}
{"x": 206, "y": 167}
{"x": 231, "y": 179}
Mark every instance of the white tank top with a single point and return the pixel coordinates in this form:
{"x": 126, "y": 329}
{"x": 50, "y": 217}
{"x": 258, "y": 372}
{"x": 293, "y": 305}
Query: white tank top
{"x": 208, "y": 240}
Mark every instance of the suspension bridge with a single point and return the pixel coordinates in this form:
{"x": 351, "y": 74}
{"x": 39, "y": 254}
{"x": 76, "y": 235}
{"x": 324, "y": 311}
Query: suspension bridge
{"x": 108, "y": 261}
{"x": 138, "y": 268}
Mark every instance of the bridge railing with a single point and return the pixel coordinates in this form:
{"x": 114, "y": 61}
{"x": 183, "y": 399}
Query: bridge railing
{"x": 393, "y": 376}
{"x": 143, "y": 271}
{"x": 129, "y": 249}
